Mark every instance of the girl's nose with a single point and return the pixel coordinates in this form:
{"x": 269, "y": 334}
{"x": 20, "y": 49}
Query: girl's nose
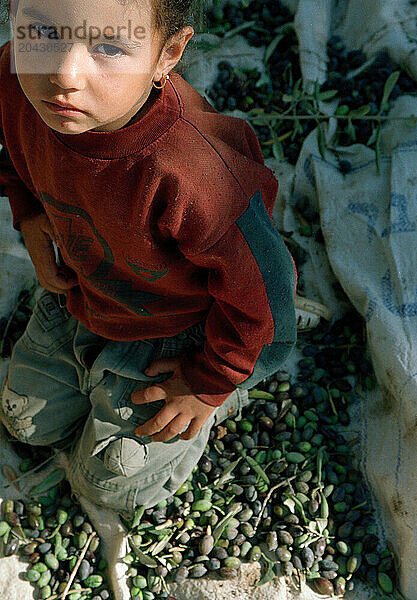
{"x": 71, "y": 68}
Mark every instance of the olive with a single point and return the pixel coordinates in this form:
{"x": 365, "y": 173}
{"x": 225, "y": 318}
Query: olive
{"x": 94, "y": 581}
{"x": 328, "y": 565}
{"x": 307, "y": 556}
{"x": 180, "y": 574}
{"x": 283, "y": 555}
{"x": 44, "y": 548}
{"x": 197, "y": 571}
{"x": 206, "y": 544}
{"x": 285, "y": 538}
{"x": 213, "y": 564}
{"x": 11, "y": 547}
{"x": 385, "y": 583}
{"x": 84, "y": 570}
{"x": 51, "y": 561}
{"x": 44, "y": 579}
{"x": 323, "y": 586}
{"x": 232, "y": 562}
{"x": 78, "y": 520}
{"x": 32, "y": 575}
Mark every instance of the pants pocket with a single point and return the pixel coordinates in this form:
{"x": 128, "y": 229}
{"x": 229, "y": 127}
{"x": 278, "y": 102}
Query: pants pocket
{"x": 50, "y": 326}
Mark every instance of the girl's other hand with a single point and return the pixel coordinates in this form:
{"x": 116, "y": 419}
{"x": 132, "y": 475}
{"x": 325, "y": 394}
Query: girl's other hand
{"x": 39, "y": 237}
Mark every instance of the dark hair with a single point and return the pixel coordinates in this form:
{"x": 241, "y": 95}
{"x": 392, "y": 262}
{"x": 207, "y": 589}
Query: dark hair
{"x": 170, "y": 16}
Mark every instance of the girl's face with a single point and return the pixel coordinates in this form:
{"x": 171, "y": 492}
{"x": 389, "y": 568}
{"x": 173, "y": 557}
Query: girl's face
{"x": 88, "y": 66}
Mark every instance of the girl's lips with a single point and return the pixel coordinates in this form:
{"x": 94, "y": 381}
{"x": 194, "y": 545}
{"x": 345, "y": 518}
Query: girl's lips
{"x": 66, "y": 110}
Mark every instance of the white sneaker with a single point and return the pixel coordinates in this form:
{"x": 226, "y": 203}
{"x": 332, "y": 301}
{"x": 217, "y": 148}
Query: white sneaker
{"x": 308, "y": 313}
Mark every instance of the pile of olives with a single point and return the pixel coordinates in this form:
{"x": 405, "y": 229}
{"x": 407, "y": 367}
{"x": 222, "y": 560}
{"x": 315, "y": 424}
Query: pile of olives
{"x": 358, "y": 84}
{"x": 58, "y": 543}
{"x": 264, "y": 17}
{"x": 277, "y": 486}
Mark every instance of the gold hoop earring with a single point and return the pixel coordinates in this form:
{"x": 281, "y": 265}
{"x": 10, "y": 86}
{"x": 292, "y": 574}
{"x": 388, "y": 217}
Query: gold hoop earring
{"x": 159, "y": 87}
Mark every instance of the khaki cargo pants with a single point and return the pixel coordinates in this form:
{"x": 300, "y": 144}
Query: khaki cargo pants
{"x": 65, "y": 382}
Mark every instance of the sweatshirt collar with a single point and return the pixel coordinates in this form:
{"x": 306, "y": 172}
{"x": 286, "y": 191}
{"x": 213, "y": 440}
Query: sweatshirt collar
{"x": 134, "y": 138}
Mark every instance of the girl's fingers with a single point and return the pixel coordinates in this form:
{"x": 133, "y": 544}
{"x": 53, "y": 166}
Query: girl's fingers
{"x": 157, "y": 423}
{"x": 171, "y": 430}
{"x": 149, "y": 394}
{"x": 192, "y": 430}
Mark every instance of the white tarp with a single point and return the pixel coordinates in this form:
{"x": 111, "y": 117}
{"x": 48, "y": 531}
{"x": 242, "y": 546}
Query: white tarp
{"x": 369, "y": 223}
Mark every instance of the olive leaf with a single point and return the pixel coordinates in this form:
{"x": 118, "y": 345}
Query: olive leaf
{"x": 269, "y": 574}
{"x": 53, "y": 479}
{"x": 224, "y": 522}
{"x": 321, "y": 142}
{"x": 138, "y": 516}
{"x": 350, "y": 130}
{"x": 321, "y": 524}
{"x": 260, "y": 394}
{"x": 324, "y": 507}
{"x": 239, "y": 28}
{"x": 264, "y": 78}
{"x": 320, "y": 460}
{"x": 316, "y": 92}
{"x": 159, "y": 532}
{"x": 298, "y": 505}
{"x": 327, "y": 95}
{"x": 312, "y": 575}
{"x": 258, "y": 121}
{"x": 272, "y": 47}
{"x": 160, "y": 545}
{"x": 359, "y": 112}
{"x": 388, "y": 87}
{"x": 146, "y": 560}
{"x": 144, "y": 526}
{"x": 290, "y": 504}
{"x": 277, "y": 148}
{"x": 225, "y": 475}
{"x": 258, "y": 469}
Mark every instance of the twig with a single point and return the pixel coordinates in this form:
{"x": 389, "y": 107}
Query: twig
{"x": 31, "y": 471}
{"x": 322, "y": 117}
{"x": 54, "y": 596}
{"x": 75, "y": 569}
{"x": 268, "y": 496}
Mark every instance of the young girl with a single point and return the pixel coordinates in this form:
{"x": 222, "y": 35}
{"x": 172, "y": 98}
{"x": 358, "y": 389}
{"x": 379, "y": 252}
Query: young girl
{"x": 173, "y": 293}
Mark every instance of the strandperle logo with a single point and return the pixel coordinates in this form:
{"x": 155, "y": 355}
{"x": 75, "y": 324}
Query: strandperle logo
{"x": 82, "y": 32}
{"x": 47, "y": 40}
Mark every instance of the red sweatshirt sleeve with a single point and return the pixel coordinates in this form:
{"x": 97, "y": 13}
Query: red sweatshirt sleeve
{"x": 22, "y": 202}
{"x": 250, "y": 326}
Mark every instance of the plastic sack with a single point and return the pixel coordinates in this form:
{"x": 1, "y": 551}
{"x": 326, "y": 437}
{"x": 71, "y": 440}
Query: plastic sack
{"x": 369, "y": 223}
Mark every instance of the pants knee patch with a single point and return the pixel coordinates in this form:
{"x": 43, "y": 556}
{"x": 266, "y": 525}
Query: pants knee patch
{"x": 125, "y": 456}
{"x": 13, "y": 407}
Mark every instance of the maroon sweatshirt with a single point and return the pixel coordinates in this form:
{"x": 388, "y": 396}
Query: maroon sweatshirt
{"x": 166, "y": 222}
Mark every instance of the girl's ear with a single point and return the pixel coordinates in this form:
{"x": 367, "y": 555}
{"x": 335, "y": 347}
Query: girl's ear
{"x": 173, "y": 50}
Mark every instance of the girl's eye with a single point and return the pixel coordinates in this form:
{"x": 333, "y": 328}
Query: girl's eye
{"x": 109, "y": 50}
{"x": 44, "y": 31}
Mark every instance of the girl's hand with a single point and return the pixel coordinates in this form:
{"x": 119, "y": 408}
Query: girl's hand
{"x": 181, "y": 406}
{"x": 38, "y": 236}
